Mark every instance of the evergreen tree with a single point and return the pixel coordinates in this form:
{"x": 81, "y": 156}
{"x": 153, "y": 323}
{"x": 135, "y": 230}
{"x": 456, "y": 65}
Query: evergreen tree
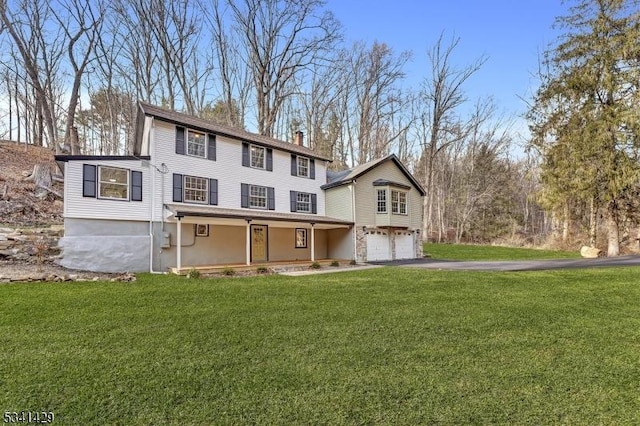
{"x": 585, "y": 115}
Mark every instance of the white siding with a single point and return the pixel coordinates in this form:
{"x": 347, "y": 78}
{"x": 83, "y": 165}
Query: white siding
{"x": 229, "y": 172}
{"x": 77, "y": 206}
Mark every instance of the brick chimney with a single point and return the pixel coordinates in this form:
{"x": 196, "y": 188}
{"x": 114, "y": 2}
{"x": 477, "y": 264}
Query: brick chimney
{"x": 299, "y": 138}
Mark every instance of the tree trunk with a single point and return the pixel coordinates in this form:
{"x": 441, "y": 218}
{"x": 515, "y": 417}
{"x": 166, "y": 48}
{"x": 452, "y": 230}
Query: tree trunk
{"x": 565, "y": 223}
{"x": 613, "y": 231}
{"x": 593, "y": 225}
{"x": 41, "y": 176}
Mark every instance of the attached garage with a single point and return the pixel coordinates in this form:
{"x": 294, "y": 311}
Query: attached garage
{"x": 404, "y": 245}
{"x": 378, "y": 247}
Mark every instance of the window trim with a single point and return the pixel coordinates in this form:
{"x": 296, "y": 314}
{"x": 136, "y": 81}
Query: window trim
{"x": 264, "y": 157}
{"x": 379, "y": 201}
{"x": 301, "y": 231}
{"x": 299, "y": 159}
{"x": 202, "y": 230}
{"x": 253, "y": 197}
{"x": 185, "y": 189}
{"x": 127, "y": 185}
{"x": 299, "y": 203}
{"x": 397, "y": 208}
{"x": 204, "y": 143}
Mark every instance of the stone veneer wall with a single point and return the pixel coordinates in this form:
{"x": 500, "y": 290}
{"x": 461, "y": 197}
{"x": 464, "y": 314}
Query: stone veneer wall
{"x": 361, "y": 245}
{"x": 21, "y": 244}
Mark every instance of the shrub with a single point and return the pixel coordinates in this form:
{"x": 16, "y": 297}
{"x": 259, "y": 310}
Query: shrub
{"x": 335, "y": 263}
{"x": 228, "y": 271}
{"x": 262, "y": 270}
{"x": 193, "y": 273}
{"x": 353, "y": 262}
{"x": 315, "y": 265}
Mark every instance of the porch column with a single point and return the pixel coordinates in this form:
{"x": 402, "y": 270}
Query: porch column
{"x": 179, "y": 244}
{"x": 313, "y": 243}
{"x": 248, "y": 243}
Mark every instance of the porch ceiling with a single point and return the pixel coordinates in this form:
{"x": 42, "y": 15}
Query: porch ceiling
{"x": 239, "y": 217}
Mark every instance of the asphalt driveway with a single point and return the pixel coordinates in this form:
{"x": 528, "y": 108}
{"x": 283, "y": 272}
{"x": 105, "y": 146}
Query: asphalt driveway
{"x": 515, "y": 265}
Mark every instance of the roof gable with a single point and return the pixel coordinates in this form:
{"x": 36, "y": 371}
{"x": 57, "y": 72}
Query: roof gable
{"x": 145, "y": 109}
{"x": 347, "y": 176}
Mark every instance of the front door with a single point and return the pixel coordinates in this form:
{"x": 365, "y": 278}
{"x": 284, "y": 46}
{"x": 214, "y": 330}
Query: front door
{"x": 259, "y": 243}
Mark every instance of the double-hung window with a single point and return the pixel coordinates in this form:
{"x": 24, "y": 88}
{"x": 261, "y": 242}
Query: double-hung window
{"x": 196, "y": 189}
{"x": 257, "y": 154}
{"x": 196, "y": 144}
{"x": 381, "y": 201}
{"x": 257, "y": 197}
{"x": 398, "y": 202}
{"x": 303, "y": 166}
{"x": 303, "y": 202}
{"x": 113, "y": 183}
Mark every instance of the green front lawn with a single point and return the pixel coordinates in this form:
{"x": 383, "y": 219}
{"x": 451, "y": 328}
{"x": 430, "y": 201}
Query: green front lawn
{"x": 383, "y": 346}
{"x": 484, "y": 252}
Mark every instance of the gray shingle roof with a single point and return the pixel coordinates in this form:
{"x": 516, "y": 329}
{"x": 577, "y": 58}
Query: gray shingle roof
{"x": 208, "y": 126}
{"x": 210, "y": 211}
{"x": 345, "y": 177}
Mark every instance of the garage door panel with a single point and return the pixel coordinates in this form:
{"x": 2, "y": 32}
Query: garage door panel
{"x": 378, "y": 247}
{"x": 404, "y": 246}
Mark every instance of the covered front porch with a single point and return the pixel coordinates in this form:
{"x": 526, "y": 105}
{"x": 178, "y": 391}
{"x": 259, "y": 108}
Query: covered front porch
{"x": 210, "y": 239}
{"x": 292, "y": 264}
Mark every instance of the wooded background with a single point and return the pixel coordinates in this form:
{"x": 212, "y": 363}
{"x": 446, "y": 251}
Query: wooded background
{"x": 72, "y": 71}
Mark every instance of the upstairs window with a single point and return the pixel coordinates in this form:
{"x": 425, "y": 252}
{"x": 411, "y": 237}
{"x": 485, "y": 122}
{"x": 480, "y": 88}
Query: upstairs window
{"x": 196, "y": 144}
{"x": 303, "y": 167}
{"x": 257, "y": 197}
{"x": 196, "y": 189}
{"x": 257, "y": 156}
{"x": 381, "y": 201}
{"x": 399, "y": 202}
{"x": 303, "y": 202}
{"x": 113, "y": 183}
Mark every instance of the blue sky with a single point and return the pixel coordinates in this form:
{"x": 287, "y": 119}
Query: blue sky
{"x": 510, "y": 33}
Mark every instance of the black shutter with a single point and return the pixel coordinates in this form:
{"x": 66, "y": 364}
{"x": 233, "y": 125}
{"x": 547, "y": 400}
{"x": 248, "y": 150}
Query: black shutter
{"x": 177, "y": 188}
{"x": 245, "y": 154}
{"x": 213, "y": 192}
{"x": 211, "y": 147}
{"x": 180, "y": 140}
{"x": 89, "y": 179}
{"x": 312, "y": 168}
{"x": 244, "y": 195}
{"x": 271, "y": 199}
{"x": 269, "y": 159}
{"x": 136, "y": 186}
{"x": 293, "y": 197}
{"x": 294, "y": 165}
{"x": 314, "y": 203}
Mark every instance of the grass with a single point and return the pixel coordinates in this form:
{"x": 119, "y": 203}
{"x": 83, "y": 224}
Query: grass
{"x": 483, "y": 252}
{"x": 383, "y": 346}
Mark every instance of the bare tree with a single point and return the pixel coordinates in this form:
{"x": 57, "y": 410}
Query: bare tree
{"x": 281, "y": 38}
{"x": 438, "y": 127}
{"x": 233, "y": 76}
{"x": 40, "y": 49}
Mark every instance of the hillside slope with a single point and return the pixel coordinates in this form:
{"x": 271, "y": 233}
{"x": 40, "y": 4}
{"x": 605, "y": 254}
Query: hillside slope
{"x": 18, "y": 204}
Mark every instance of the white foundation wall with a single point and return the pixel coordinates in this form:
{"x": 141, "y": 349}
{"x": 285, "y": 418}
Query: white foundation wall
{"x": 105, "y": 245}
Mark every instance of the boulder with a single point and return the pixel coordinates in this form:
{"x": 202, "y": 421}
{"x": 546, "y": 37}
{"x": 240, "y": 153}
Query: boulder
{"x": 591, "y": 252}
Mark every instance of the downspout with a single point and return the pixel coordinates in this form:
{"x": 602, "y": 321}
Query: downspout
{"x": 352, "y": 188}
{"x": 153, "y": 168}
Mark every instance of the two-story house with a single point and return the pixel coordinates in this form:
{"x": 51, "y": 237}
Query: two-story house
{"x": 196, "y": 193}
